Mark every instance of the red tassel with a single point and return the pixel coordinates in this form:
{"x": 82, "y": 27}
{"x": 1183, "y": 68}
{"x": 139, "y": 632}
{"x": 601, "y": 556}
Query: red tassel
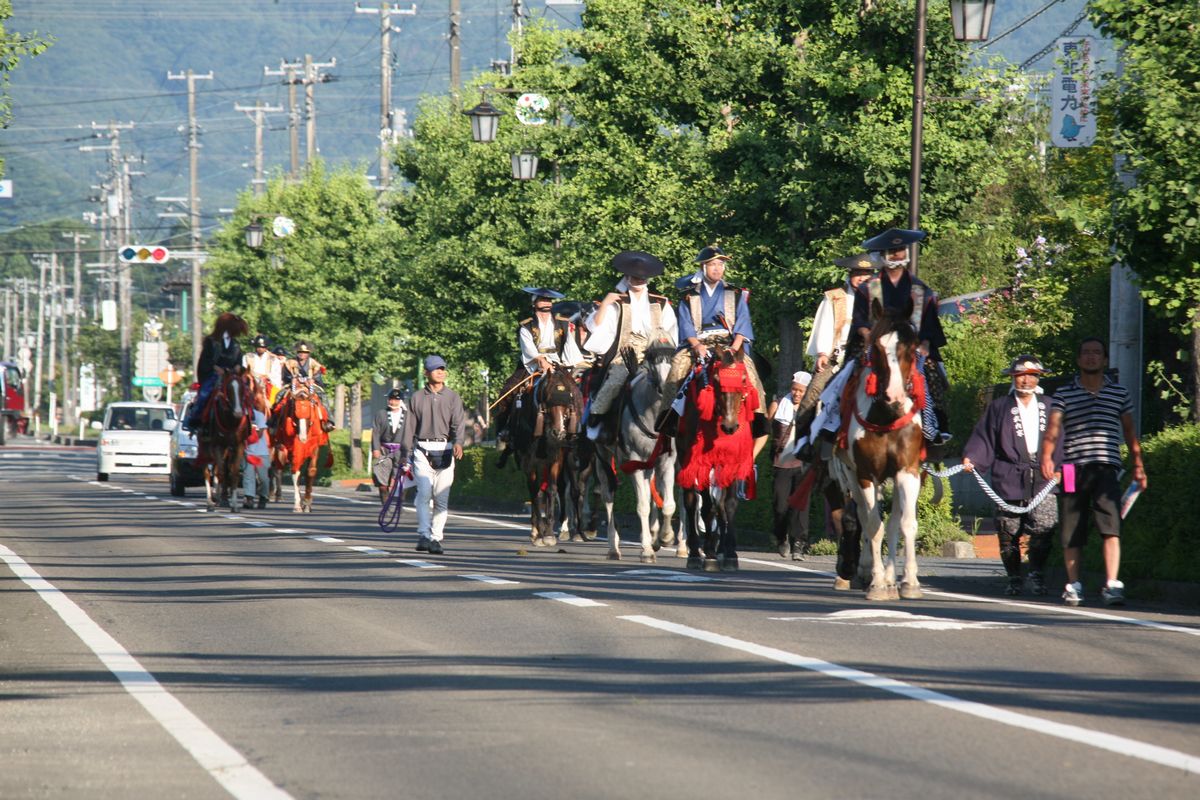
{"x": 799, "y": 498}
{"x": 658, "y": 501}
{"x": 254, "y": 461}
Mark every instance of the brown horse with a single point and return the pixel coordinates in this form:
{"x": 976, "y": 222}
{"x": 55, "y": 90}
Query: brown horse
{"x": 881, "y": 439}
{"x": 222, "y": 439}
{"x": 716, "y": 451}
{"x": 544, "y": 431}
{"x": 299, "y": 438}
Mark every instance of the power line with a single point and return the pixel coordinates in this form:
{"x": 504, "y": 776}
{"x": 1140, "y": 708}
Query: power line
{"x": 1067, "y": 31}
{"x": 991, "y": 41}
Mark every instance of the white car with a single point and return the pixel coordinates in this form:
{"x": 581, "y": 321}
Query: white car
{"x": 135, "y": 439}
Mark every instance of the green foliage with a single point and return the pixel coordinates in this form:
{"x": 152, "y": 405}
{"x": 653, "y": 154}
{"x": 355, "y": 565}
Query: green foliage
{"x": 1157, "y": 541}
{"x": 13, "y": 47}
{"x": 936, "y": 522}
{"x": 1171, "y": 388}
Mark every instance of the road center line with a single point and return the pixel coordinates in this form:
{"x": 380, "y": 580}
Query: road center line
{"x": 325, "y": 539}
{"x": 414, "y": 562}
{"x": 1072, "y": 733}
{"x": 372, "y": 551}
{"x": 225, "y": 764}
{"x": 489, "y": 579}
{"x": 570, "y": 599}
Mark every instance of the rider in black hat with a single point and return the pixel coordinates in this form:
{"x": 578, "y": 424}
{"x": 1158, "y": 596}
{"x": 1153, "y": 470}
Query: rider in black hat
{"x": 264, "y": 366}
{"x": 630, "y": 317}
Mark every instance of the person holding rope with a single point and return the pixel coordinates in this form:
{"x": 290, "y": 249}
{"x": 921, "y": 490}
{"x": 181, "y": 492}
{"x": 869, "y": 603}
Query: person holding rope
{"x": 547, "y": 341}
{"x": 1006, "y": 441}
{"x": 387, "y": 442}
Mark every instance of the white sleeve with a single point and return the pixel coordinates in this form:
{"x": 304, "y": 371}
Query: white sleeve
{"x": 820, "y": 339}
{"x": 670, "y": 324}
{"x": 529, "y": 351}
{"x": 570, "y": 352}
{"x": 603, "y": 334}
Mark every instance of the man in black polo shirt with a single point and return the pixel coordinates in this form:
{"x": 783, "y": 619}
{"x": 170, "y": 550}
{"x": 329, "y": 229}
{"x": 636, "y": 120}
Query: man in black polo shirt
{"x": 1093, "y": 414}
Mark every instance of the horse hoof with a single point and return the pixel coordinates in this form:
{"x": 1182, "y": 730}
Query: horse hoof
{"x": 711, "y": 565}
{"x": 656, "y": 546}
{"x": 729, "y": 564}
{"x": 550, "y": 541}
{"x": 681, "y": 552}
{"x": 537, "y": 541}
{"x": 589, "y": 536}
{"x": 878, "y": 593}
{"x": 893, "y": 592}
{"x": 695, "y": 562}
{"x": 841, "y": 585}
{"x": 614, "y": 555}
{"x": 911, "y": 591}
{"x": 649, "y": 558}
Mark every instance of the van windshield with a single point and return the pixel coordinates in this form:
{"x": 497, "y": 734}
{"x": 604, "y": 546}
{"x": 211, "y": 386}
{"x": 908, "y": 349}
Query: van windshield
{"x": 138, "y": 419}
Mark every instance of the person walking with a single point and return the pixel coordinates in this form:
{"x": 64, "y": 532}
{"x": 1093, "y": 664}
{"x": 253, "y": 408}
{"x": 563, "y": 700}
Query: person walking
{"x": 1094, "y": 413}
{"x": 256, "y": 479}
{"x": 432, "y": 436}
{"x": 791, "y": 525}
{"x": 387, "y": 440}
{"x": 1006, "y": 441}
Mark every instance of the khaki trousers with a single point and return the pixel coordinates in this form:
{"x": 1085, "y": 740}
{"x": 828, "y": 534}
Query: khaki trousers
{"x": 616, "y": 375}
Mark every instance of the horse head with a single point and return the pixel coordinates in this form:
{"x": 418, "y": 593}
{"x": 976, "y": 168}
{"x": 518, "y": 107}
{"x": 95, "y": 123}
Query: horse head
{"x": 893, "y": 357}
{"x": 556, "y": 406}
{"x": 732, "y": 383}
{"x": 657, "y": 360}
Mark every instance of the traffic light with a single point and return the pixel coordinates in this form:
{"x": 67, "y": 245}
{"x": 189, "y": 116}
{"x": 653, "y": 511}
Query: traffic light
{"x": 144, "y": 254}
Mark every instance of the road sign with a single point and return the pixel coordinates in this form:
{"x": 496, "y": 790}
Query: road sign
{"x": 152, "y": 358}
{"x": 1073, "y": 93}
{"x": 170, "y": 376}
{"x": 148, "y": 381}
{"x": 152, "y": 394}
{"x": 144, "y": 254}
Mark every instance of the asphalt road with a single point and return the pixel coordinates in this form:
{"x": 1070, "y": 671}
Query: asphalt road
{"x": 150, "y": 650}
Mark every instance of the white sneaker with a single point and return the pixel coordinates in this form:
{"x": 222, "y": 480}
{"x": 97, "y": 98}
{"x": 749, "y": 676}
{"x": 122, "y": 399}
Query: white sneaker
{"x": 1113, "y": 594}
{"x": 1073, "y": 594}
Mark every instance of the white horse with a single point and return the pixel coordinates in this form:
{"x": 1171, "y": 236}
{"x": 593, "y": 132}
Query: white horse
{"x": 884, "y": 441}
{"x": 637, "y": 442}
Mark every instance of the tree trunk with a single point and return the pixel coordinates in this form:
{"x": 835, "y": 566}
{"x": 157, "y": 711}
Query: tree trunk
{"x": 1196, "y": 365}
{"x": 356, "y": 453}
{"x": 792, "y": 344}
{"x": 339, "y": 405}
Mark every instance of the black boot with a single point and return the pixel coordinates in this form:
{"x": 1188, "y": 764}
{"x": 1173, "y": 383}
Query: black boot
{"x": 798, "y": 548}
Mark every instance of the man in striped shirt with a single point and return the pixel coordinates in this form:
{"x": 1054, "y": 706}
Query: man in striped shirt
{"x": 1093, "y": 414}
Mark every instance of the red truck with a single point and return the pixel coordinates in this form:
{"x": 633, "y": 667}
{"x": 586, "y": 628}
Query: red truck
{"x": 12, "y": 409}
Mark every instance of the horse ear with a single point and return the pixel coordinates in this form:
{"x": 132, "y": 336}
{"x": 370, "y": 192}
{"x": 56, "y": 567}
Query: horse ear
{"x": 876, "y": 308}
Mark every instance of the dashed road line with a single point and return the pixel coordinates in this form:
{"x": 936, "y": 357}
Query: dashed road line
{"x": 324, "y": 539}
{"x": 419, "y": 564}
{"x": 372, "y": 551}
{"x": 489, "y": 579}
{"x": 570, "y": 599}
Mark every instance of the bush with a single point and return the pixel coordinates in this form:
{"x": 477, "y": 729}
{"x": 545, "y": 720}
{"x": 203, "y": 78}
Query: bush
{"x": 1157, "y": 540}
{"x": 339, "y": 446}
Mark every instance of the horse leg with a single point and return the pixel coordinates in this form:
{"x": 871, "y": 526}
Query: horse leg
{"x": 296, "y": 489}
{"x": 310, "y": 477}
{"x": 607, "y": 479}
{"x": 641, "y": 488}
{"x": 550, "y": 523}
{"x": 664, "y": 474}
{"x": 691, "y": 518}
{"x": 904, "y": 508}
{"x": 726, "y": 511}
{"x": 849, "y": 547}
{"x": 209, "y": 479}
{"x": 872, "y": 531}
{"x": 535, "y": 506}
{"x": 712, "y": 542}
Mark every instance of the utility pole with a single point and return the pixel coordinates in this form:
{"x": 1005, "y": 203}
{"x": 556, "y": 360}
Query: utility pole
{"x": 77, "y": 309}
{"x": 516, "y": 26}
{"x": 39, "y": 350}
{"x": 917, "y": 135}
{"x": 258, "y": 109}
{"x": 455, "y": 54}
{"x": 385, "y": 83}
{"x": 51, "y": 349}
{"x": 312, "y": 76}
{"x": 289, "y": 72}
{"x": 193, "y": 200}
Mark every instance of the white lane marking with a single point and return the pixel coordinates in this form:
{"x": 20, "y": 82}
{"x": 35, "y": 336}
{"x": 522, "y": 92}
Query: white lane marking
{"x": 226, "y": 765}
{"x": 489, "y": 579}
{"x": 187, "y": 504}
{"x": 1071, "y": 733}
{"x": 570, "y": 599}
{"x": 326, "y": 539}
{"x": 233, "y": 517}
{"x": 495, "y": 522}
{"x": 291, "y": 530}
{"x": 900, "y": 619}
{"x": 662, "y": 574}
{"x": 13, "y": 455}
{"x": 1043, "y": 607}
{"x": 346, "y": 499}
{"x": 129, "y": 491}
{"x": 419, "y": 564}
{"x": 258, "y": 523}
{"x": 373, "y": 551}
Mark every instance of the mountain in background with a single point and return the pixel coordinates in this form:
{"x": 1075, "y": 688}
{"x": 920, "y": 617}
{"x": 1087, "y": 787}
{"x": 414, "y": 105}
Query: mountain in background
{"x": 110, "y": 61}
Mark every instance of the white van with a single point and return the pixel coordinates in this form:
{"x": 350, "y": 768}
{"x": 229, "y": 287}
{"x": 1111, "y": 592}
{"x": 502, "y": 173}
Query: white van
{"x": 135, "y": 439}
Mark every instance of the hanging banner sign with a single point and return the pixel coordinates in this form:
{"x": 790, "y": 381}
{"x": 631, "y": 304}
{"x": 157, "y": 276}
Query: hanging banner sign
{"x": 1073, "y": 93}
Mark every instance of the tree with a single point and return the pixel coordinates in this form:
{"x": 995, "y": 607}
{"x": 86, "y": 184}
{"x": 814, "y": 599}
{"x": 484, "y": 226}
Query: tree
{"x": 1156, "y": 104}
{"x": 13, "y": 47}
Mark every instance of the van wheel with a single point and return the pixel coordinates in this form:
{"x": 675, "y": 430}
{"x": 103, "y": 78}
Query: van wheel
{"x": 101, "y": 476}
{"x": 177, "y": 487}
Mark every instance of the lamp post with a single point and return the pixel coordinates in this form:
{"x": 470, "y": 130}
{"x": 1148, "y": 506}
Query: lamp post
{"x": 524, "y": 165}
{"x": 972, "y": 20}
{"x": 485, "y": 121}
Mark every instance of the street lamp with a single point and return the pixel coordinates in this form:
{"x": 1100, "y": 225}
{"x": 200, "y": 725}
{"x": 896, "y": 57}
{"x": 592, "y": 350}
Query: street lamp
{"x": 281, "y": 226}
{"x": 485, "y": 121}
{"x": 524, "y": 165}
{"x": 972, "y": 19}
{"x": 254, "y": 235}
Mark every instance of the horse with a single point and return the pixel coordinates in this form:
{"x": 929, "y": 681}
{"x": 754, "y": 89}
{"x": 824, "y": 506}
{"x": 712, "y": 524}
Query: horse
{"x": 642, "y": 454}
{"x": 716, "y": 451}
{"x": 880, "y": 439}
{"x": 222, "y": 439}
{"x": 298, "y": 442}
{"x": 543, "y": 439}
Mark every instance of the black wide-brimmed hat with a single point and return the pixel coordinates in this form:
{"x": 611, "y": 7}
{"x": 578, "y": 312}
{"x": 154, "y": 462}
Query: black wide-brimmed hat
{"x": 711, "y": 252}
{"x": 862, "y": 261}
{"x": 396, "y": 394}
{"x": 261, "y": 341}
{"x": 637, "y": 264}
{"x": 1025, "y": 365}
{"x": 302, "y": 347}
{"x": 892, "y": 239}
{"x": 538, "y": 291}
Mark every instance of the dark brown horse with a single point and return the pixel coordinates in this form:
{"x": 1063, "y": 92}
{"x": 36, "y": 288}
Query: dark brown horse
{"x": 881, "y": 439}
{"x": 222, "y": 438}
{"x": 716, "y": 451}
{"x": 544, "y": 436}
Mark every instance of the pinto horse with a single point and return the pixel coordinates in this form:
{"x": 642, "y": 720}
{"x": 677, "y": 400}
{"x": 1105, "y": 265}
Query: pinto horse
{"x": 716, "y": 450}
{"x": 298, "y": 442}
{"x": 222, "y": 439}
{"x": 881, "y": 439}
{"x": 544, "y": 429}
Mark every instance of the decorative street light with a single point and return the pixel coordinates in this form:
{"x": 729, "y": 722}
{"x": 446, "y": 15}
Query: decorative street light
{"x": 972, "y": 19}
{"x": 485, "y": 120}
{"x": 524, "y": 165}
{"x": 254, "y": 235}
{"x": 281, "y": 227}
